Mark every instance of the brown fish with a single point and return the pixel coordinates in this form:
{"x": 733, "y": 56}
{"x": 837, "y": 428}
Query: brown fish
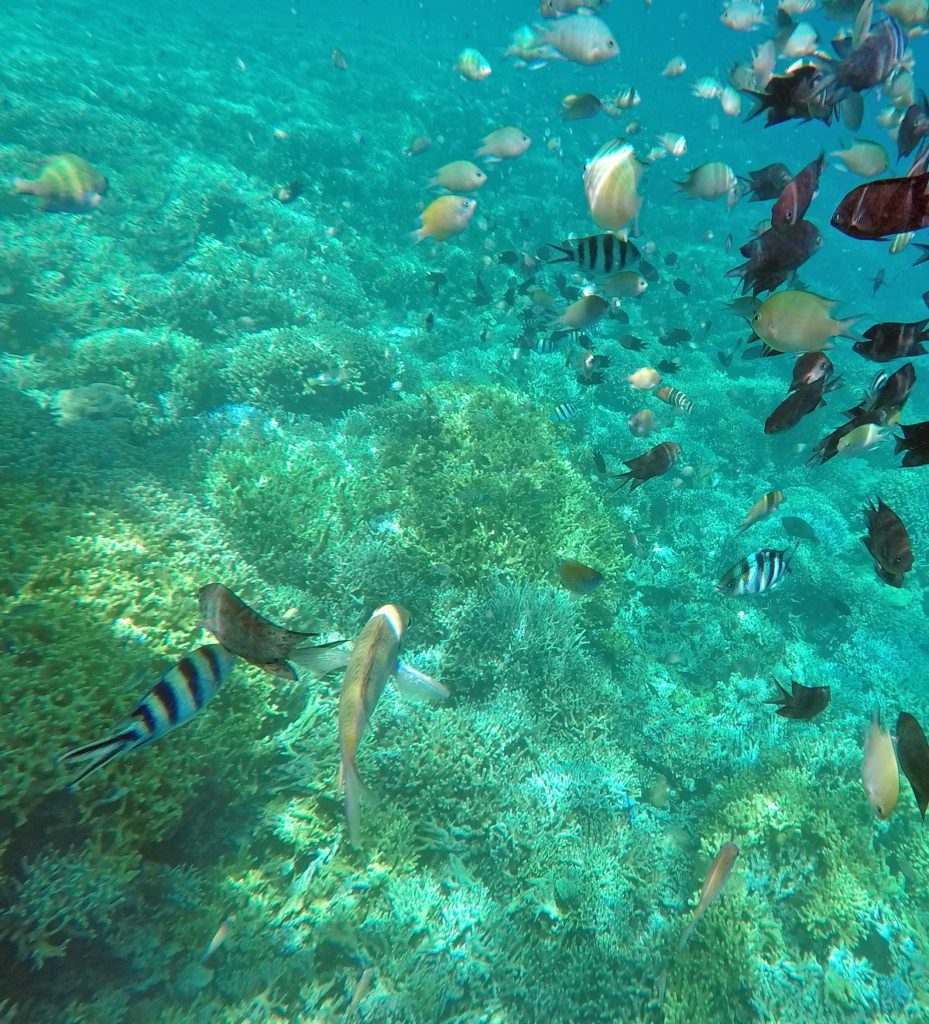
{"x": 802, "y": 703}
{"x": 715, "y": 881}
{"x": 578, "y": 578}
{"x": 810, "y": 367}
{"x": 762, "y": 508}
{"x": 888, "y": 543}
{"x": 893, "y": 340}
{"x": 878, "y": 209}
{"x": 879, "y": 773}
{"x": 242, "y": 631}
{"x": 374, "y": 659}
{"x": 655, "y": 462}
{"x": 913, "y": 751}
{"x": 795, "y": 200}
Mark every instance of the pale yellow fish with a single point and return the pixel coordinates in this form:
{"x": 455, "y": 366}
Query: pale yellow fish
{"x": 802, "y": 41}
{"x": 713, "y": 885}
{"x": 742, "y": 76}
{"x": 910, "y": 12}
{"x": 709, "y": 181}
{"x": 796, "y": 7}
{"x": 864, "y": 438}
{"x": 707, "y": 87}
{"x": 675, "y": 144}
{"x": 864, "y": 158}
{"x": 798, "y": 321}
{"x": 743, "y": 16}
{"x": 444, "y": 217}
{"x": 879, "y": 774}
{"x": 675, "y": 66}
{"x": 611, "y": 183}
{"x": 585, "y": 312}
{"x": 763, "y": 61}
{"x": 730, "y": 101}
{"x": 644, "y": 379}
{"x": 472, "y": 65}
{"x": 624, "y": 284}
{"x": 459, "y": 176}
{"x": 762, "y": 508}
{"x": 506, "y": 143}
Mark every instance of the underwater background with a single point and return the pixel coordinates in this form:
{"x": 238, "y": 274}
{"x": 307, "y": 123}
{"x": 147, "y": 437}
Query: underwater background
{"x": 295, "y": 407}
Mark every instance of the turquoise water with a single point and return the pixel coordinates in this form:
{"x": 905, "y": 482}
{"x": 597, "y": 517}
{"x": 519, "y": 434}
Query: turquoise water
{"x": 201, "y": 383}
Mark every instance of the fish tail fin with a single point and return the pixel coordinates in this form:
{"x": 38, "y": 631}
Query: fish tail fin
{"x": 415, "y": 237}
{"x": 92, "y": 756}
{"x": 845, "y": 328}
{"x": 688, "y": 931}
{"x": 18, "y": 186}
{"x": 566, "y": 255}
{"x": 320, "y": 659}
{"x": 900, "y": 444}
{"x": 790, "y": 557}
{"x": 623, "y": 479}
{"x": 354, "y": 792}
{"x": 781, "y": 697}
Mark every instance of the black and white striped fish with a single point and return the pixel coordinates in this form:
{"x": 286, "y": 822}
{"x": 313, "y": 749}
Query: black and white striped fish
{"x": 757, "y": 573}
{"x": 564, "y": 412}
{"x": 179, "y": 694}
{"x": 597, "y": 254}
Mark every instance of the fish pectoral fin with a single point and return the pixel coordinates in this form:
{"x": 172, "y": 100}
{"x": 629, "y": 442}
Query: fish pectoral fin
{"x": 413, "y": 683}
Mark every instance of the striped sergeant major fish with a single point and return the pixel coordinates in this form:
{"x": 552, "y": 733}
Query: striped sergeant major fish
{"x": 179, "y": 694}
{"x": 564, "y": 412}
{"x": 597, "y": 254}
{"x": 374, "y": 659}
{"x": 758, "y": 572}
{"x": 677, "y": 399}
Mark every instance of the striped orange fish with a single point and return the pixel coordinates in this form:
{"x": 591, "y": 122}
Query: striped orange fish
{"x": 671, "y": 396}
{"x": 67, "y": 183}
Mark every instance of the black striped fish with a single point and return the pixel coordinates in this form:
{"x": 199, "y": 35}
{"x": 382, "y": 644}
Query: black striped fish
{"x": 179, "y": 694}
{"x": 564, "y": 412}
{"x": 597, "y": 254}
{"x": 757, "y": 573}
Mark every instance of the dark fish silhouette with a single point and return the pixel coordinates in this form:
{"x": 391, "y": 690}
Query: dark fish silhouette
{"x": 578, "y": 578}
{"x": 878, "y": 280}
{"x": 795, "y": 200}
{"x": 914, "y": 127}
{"x": 828, "y": 447}
{"x": 888, "y": 543}
{"x": 799, "y": 529}
{"x": 242, "y": 631}
{"x": 632, "y": 343}
{"x": 799, "y": 403}
{"x": 682, "y": 286}
{"x": 799, "y": 95}
{"x": 879, "y": 53}
{"x": 888, "y": 397}
{"x": 878, "y": 209}
{"x": 655, "y": 462}
{"x": 775, "y": 254}
{"x": 767, "y": 183}
{"x": 915, "y": 442}
{"x": 913, "y": 754}
{"x": 802, "y": 703}
{"x": 893, "y": 340}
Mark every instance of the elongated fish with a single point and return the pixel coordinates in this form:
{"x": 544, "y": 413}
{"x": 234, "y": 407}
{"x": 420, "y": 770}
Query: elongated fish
{"x": 713, "y": 885}
{"x": 374, "y": 659}
{"x": 597, "y": 254}
{"x": 179, "y": 694}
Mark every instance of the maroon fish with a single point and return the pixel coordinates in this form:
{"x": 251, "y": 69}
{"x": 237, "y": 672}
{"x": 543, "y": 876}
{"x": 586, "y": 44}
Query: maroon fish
{"x": 914, "y": 127}
{"x": 892, "y": 340}
{"x": 655, "y": 462}
{"x": 767, "y": 183}
{"x": 795, "y": 200}
{"x": 799, "y": 403}
{"x": 242, "y": 631}
{"x": 809, "y": 368}
{"x": 877, "y": 210}
{"x": 775, "y": 254}
{"x": 888, "y": 543}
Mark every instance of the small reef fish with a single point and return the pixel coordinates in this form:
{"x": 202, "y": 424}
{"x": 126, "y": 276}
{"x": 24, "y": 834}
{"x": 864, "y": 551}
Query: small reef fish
{"x": 597, "y": 254}
{"x": 611, "y": 182}
{"x": 580, "y": 106}
{"x": 710, "y": 181}
{"x": 627, "y": 97}
{"x": 879, "y": 209}
{"x": 673, "y": 143}
{"x": 585, "y": 39}
{"x": 579, "y": 579}
{"x": 799, "y": 403}
{"x": 66, "y": 184}
{"x": 222, "y": 933}
{"x": 707, "y": 88}
{"x": 888, "y": 543}
{"x": 458, "y": 176}
{"x": 798, "y": 321}
{"x": 713, "y": 885}
{"x": 913, "y": 751}
{"x": 809, "y": 368}
{"x": 799, "y": 529}
{"x": 506, "y": 143}
{"x": 866, "y": 159}
{"x": 419, "y": 145}
{"x": 655, "y": 462}
{"x": 887, "y": 395}
{"x": 757, "y": 573}
{"x": 444, "y": 217}
{"x": 624, "y": 284}
{"x": 257, "y": 640}
{"x": 644, "y": 379}
{"x": 564, "y": 412}
{"x": 797, "y": 95}
{"x": 802, "y": 703}
{"x": 675, "y": 66}
{"x": 472, "y": 65}
{"x": 879, "y": 774}
{"x": 583, "y": 313}
{"x": 915, "y": 442}
{"x": 768, "y": 182}
{"x": 762, "y": 508}
{"x": 374, "y": 659}
{"x": 775, "y": 254}
{"x": 889, "y": 341}
{"x": 676, "y": 399}
{"x": 798, "y": 193}
{"x": 286, "y": 194}
{"x": 179, "y": 694}
{"x": 864, "y": 437}
{"x": 913, "y": 128}
{"x": 642, "y": 423}
{"x": 338, "y": 59}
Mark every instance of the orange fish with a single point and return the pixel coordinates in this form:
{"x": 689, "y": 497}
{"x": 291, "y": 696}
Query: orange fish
{"x": 504, "y": 144}
{"x": 67, "y": 183}
{"x": 444, "y": 217}
{"x": 374, "y": 659}
{"x": 713, "y": 885}
{"x": 644, "y": 379}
